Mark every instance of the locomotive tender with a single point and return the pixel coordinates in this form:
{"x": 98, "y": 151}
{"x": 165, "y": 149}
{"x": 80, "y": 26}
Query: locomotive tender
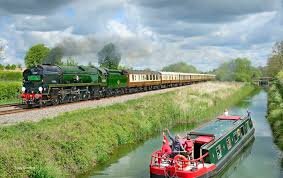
{"x": 52, "y": 84}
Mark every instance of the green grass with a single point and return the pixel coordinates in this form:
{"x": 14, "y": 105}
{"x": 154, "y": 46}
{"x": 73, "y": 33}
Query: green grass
{"x": 74, "y": 142}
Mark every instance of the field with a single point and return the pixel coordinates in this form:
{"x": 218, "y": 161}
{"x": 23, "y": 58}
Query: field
{"x": 74, "y": 142}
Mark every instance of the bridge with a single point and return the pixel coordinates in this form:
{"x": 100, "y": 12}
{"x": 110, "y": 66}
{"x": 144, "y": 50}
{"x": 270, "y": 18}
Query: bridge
{"x": 263, "y": 81}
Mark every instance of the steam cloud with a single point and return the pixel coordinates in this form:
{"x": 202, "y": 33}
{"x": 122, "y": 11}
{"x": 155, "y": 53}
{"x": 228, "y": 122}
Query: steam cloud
{"x": 129, "y": 48}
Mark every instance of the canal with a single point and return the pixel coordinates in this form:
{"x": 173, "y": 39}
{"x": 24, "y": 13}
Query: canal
{"x": 261, "y": 159}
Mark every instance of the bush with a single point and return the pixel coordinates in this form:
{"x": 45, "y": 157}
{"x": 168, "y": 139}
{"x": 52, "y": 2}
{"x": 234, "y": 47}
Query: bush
{"x": 9, "y": 90}
{"x": 275, "y": 109}
{"x": 10, "y": 76}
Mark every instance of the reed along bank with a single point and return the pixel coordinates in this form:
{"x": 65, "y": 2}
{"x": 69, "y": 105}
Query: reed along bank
{"x": 77, "y": 141}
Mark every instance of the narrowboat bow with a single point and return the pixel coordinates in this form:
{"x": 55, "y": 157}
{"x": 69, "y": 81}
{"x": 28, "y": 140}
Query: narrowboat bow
{"x": 216, "y": 144}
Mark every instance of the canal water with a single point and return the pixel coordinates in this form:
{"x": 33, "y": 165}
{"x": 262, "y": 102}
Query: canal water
{"x": 261, "y": 159}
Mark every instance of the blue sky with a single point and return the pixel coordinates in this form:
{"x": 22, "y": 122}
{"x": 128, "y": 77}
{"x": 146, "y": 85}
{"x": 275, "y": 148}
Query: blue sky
{"x": 149, "y": 33}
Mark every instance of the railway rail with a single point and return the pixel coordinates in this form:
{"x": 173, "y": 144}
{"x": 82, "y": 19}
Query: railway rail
{"x": 11, "y": 108}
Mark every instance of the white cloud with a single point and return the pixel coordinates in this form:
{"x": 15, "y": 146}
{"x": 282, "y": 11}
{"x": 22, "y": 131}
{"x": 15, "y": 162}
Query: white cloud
{"x": 150, "y": 34}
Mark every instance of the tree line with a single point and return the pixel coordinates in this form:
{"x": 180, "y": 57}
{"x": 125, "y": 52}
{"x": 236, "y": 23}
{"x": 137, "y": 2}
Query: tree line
{"x": 10, "y": 66}
{"x": 275, "y": 61}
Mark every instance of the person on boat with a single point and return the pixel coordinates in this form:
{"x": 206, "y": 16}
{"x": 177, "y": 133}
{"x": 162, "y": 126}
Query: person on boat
{"x": 176, "y": 142}
{"x": 189, "y": 146}
{"x": 248, "y": 113}
{"x": 226, "y": 112}
{"x": 165, "y": 149}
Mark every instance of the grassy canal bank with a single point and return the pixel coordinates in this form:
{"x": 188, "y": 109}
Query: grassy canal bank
{"x": 275, "y": 109}
{"x": 74, "y": 142}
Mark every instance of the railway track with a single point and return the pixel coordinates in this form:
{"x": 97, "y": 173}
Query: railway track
{"x": 11, "y": 108}
{"x": 6, "y": 109}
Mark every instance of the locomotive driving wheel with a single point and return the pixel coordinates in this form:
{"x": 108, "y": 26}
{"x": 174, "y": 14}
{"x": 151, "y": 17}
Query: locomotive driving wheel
{"x": 55, "y": 101}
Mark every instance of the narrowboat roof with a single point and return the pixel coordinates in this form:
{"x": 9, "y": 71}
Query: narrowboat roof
{"x": 219, "y": 127}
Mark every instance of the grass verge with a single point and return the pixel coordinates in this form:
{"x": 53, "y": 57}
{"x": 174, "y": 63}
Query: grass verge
{"x": 74, "y": 142}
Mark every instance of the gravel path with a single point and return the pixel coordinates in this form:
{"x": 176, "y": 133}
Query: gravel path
{"x": 49, "y": 112}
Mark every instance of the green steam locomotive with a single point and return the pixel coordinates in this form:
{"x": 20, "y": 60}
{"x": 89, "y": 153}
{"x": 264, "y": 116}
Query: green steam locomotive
{"x": 52, "y": 84}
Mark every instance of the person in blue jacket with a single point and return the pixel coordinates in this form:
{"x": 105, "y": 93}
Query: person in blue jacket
{"x": 176, "y": 142}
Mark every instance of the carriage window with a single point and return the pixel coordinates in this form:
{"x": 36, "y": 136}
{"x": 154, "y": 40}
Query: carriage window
{"x": 153, "y": 77}
{"x": 150, "y": 77}
{"x": 228, "y": 142}
{"x": 218, "y": 152}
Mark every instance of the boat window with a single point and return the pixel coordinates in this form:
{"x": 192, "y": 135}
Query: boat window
{"x": 218, "y": 152}
{"x": 235, "y": 135}
{"x": 251, "y": 124}
{"x": 242, "y": 130}
{"x": 239, "y": 133}
{"x": 228, "y": 142}
{"x": 247, "y": 126}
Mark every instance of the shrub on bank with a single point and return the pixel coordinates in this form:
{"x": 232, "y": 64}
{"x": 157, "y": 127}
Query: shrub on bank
{"x": 9, "y": 90}
{"x": 76, "y": 141}
{"x": 275, "y": 109}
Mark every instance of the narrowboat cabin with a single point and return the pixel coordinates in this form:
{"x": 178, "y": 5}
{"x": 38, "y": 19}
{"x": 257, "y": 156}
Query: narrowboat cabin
{"x": 215, "y": 145}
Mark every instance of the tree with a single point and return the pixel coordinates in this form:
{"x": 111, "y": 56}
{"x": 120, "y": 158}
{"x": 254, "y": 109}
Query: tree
{"x": 36, "y": 54}
{"x": 239, "y": 69}
{"x": 109, "y": 56}
{"x": 19, "y": 66}
{"x": 2, "y": 48}
{"x": 70, "y": 62}
{"x": 180, "y": 67}
{"x": 275, "y": 61}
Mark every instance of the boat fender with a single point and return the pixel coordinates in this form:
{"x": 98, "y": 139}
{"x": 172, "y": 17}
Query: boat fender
{"x": 181, "y": 161}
